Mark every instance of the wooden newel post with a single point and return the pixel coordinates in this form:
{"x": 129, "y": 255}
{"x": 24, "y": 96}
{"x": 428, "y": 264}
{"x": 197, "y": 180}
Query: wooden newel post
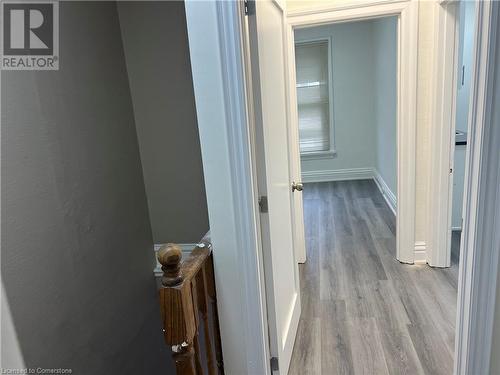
{"x": 177, "y": 309}
{"x": 170, "y": 256}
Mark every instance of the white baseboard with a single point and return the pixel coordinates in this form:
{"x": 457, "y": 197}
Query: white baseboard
{"x": 420, "y": 252}
{"x": 387, "y": 193}
{"x": 337, "y": 175}
{"x": 185, "y": 247}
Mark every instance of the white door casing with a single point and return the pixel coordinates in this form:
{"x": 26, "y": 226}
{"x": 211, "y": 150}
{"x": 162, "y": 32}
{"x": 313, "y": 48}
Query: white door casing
{"x": 443, "y": 135}
{"x": 215, "y": 31}
{"x": 269, "y": 73}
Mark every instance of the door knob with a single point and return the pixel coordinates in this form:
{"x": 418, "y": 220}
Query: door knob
{"x": 299, "y": 186}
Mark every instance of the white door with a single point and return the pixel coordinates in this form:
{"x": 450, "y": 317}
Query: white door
{"x": 268, "y": 62}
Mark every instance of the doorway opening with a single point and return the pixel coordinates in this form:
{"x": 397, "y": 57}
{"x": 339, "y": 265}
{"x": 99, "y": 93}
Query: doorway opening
{"x": 362, "y": 310}
{"x": 346, "y": 89}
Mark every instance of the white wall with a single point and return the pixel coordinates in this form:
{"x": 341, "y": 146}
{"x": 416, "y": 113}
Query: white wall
{"x": 364, "y": 61}
{"x": 385, "y": 44}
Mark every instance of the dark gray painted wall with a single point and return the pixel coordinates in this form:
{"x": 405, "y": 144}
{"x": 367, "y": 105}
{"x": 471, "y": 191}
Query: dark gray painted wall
{"x": 77, "y": 254}
{"x": 157, "y": 56}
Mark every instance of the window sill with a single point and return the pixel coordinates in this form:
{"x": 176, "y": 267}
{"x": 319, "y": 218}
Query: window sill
{"x": 316, "y": 155}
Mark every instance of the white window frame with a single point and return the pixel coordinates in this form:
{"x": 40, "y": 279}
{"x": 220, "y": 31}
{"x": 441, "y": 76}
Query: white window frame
{"x": 330, "y": 153}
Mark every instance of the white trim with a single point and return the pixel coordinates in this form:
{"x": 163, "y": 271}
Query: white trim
{"x": 420, "y": 252}
{"x": 219, "y": 81}
{"x": 386, "y": 191}
{"x": 456, "y": 229}
{"x": 349, "y": 13}
{"x": 337, "y": 175}
{"x": 443, "y": 104}
{"x": 318, "y": 155}
{"x": 407, "y": 13}
{"x": 480, "y": 245}
{"x": 337, "y": 7}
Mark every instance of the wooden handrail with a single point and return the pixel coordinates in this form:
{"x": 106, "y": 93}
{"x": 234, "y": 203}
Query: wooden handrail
{"x": 188, "y": 292}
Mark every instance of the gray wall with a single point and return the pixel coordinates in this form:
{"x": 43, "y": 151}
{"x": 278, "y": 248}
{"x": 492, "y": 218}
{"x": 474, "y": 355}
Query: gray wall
{"x": 76, "y": 241}
{"x": 353, "y": 104}
{"x": 157, "y": 55}
{"x": 385, "y": 42}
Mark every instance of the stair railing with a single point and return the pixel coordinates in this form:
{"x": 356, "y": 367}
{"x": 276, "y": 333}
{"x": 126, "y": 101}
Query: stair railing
{"x": 188, "y": 293}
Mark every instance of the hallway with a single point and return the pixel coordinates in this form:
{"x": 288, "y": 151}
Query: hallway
{"x": 363, "y": 312}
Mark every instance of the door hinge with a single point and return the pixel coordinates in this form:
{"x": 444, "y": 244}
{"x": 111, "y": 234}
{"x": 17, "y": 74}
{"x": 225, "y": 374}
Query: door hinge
{"x": 248, "y": 4}
{"x": 274, "y": 364}
{"x": 263, "y": 204}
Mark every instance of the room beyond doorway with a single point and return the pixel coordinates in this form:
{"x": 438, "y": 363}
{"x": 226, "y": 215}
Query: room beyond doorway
{"x": 370, "y": 131}
{"x": 346, "y": 84}
{"x": 346, "y": 76}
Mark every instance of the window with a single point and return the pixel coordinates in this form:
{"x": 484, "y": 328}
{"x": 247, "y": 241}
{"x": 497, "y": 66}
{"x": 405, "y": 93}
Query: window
{"x": 314, "y": 100}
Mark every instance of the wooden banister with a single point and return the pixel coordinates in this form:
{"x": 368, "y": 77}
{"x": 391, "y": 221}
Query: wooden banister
{"x": 188, "y": 292}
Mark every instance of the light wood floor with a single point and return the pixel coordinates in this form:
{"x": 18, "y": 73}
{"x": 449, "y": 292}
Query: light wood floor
{"x": 363, "y": 312}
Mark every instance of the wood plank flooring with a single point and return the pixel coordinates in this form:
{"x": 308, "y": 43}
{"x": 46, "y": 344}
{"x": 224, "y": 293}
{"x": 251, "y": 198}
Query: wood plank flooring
{"x": 363, "y": 312}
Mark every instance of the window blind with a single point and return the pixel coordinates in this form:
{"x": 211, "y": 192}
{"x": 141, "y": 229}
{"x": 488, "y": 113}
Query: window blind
{"x": 311, "y": 60}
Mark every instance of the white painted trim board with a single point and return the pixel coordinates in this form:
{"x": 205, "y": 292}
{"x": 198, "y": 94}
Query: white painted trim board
{"x": 387, "y": 193}
{"x": 337, "y": 175}
{"x": 442, "y": 102}
{"x": 215, "y": 32}
{"x": 420, "y": 252}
